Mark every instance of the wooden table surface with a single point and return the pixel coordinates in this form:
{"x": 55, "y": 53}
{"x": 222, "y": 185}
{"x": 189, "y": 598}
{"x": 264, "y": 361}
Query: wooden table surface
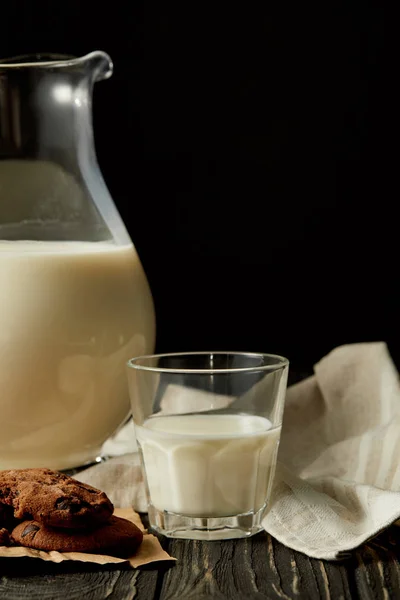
{"x": 256, "y": 568}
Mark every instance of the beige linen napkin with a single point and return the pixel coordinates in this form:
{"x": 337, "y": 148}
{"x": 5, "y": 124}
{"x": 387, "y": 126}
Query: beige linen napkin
{"x": 338, "y": 477}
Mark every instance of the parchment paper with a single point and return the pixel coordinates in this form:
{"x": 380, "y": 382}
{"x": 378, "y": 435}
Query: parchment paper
{"x": 150, "y": 550}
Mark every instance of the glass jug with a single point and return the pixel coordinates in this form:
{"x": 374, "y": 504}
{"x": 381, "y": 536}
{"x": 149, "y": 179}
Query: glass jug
{"x": 74, "y": 300}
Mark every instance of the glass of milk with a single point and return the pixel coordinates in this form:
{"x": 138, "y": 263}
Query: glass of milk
{"x": 208, "y": 426}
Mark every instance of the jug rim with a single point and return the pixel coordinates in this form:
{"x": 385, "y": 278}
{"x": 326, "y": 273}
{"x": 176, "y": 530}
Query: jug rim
{"x": 38, "y": 59}
{"x": 98, "y": 62}
{"x": 52, "y": 59}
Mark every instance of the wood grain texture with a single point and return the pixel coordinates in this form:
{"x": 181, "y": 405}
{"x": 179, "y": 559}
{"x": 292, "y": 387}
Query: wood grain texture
{"x": 261, "y": 567}
{"x": 55, "y": 582}
{"x": 257, "y": 568}
{"x": 377, "y": 568}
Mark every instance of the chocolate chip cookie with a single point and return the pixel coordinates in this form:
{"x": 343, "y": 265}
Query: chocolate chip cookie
{"x": 118, "y": 537}
{"x": 53, "y": 499}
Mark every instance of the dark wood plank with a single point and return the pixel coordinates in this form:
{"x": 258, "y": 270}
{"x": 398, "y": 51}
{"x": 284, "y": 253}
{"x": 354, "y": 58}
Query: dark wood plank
{"x": 23, "y": 580}
{"x": 377, "y": 568}
{"x": 261, "y": 567}
{"x": 257, "y": 568}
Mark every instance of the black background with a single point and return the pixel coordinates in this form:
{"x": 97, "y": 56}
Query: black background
{"x": 246, "y": 150}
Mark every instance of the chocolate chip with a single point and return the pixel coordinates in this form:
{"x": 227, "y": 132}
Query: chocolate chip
{"x": 75, "y": 507}
{"x": 62, "y": 504}
{"x": 29, "y": 528}
{"x": 71, "y": 504}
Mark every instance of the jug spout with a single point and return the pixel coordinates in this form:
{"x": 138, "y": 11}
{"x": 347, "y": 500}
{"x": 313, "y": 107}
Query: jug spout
{"x": 99, "y": 64}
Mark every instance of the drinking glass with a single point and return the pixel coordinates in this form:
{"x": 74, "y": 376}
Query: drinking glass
{"x": 208, "y": 426}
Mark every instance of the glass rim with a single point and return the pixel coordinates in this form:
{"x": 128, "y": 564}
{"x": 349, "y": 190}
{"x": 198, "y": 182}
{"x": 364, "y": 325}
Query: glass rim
{"x": 281, "y": 362}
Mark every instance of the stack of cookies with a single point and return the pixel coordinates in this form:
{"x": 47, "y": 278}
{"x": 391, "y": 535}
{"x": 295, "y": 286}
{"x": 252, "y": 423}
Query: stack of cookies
{"x": 47, "y": 510}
